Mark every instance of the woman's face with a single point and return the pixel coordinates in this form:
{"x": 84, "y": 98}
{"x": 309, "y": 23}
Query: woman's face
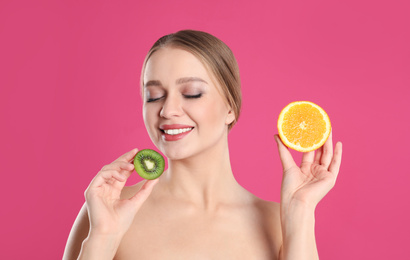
{"x": 183, "y": 111}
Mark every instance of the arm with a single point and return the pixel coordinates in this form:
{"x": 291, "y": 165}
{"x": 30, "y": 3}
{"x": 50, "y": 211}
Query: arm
{"x": 79, "y": 243}
{"x": 78, "y": 233}
{"x": 105, "y": 217}
{"x": 298, "y": 233}
{"x": 302, "y": 189}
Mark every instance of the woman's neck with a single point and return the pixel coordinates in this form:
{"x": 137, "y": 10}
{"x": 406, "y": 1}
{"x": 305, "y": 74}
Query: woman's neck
{"x": 205, "y": 179}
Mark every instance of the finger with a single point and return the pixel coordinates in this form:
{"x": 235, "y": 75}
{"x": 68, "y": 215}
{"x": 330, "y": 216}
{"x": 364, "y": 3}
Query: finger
{"x": 308, "y": 158}
{"x": 144, "y": 192}
{"x": 119, "y": 166}
{"x": 318, "y": 155}
{"x": 327, "y": 152}
{"x": 124, "y": 168}
{"x": 128, "y": 156}
{"x": 337, "y": 159}
{"x": 284, "y": 154}
{"x": 107, "y": 176}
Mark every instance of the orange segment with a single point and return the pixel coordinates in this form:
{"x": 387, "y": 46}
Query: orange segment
{"x": 303, "y": 126}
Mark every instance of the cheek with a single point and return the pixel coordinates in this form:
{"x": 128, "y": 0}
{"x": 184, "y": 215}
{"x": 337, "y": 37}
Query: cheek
{"x": 145, "y": 115}
{"x": 213, "y": 113}
{"x": 149, "y": 117}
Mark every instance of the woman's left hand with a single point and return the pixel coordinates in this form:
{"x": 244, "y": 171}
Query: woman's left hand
{"x": 315, "y": 177}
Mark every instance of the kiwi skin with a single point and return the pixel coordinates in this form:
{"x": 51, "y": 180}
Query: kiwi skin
{"x": 152, "y": 157}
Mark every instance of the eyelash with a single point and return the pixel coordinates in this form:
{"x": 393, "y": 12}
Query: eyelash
{"x": 186, "y": 96}
{"x": 153, "y": 99}
{"x": 193, "y": 96}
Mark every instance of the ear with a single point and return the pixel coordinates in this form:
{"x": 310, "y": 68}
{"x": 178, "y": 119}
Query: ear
{"x": 230, "y": 117}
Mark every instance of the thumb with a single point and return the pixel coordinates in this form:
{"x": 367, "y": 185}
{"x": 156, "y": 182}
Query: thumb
{"x": 143, "y": 193}
{"x": 284, "y": 154}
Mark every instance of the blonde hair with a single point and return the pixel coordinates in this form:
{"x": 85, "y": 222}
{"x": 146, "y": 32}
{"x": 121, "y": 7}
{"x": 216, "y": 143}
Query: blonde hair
{"x": 215, "y": 55}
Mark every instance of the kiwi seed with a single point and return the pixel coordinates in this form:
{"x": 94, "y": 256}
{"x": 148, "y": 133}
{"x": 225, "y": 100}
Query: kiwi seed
{"x": 149, "y": 164}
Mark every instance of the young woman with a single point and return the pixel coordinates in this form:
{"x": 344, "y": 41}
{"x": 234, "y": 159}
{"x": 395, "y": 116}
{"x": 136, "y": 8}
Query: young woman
{"x": 196, "y": 209}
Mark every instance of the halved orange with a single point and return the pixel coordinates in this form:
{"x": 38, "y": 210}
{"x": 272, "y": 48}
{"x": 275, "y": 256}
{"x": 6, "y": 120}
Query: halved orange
{"x": 303, "y": 126}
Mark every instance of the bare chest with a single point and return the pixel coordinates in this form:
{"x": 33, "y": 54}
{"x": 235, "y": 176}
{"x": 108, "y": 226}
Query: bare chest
{"x": 195, "y": 236}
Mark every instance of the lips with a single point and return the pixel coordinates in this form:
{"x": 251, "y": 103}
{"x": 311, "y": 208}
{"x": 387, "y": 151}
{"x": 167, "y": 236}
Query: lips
{"x": 175, "y": 132}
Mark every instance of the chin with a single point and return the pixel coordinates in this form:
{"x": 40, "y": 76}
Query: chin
{"x": 176, "y": 153}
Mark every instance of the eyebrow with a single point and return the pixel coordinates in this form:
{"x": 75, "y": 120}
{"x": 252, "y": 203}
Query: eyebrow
{"x": 178, "y": 81}
{"x": 153, "y": 83}
{"x": 190, "y": 79}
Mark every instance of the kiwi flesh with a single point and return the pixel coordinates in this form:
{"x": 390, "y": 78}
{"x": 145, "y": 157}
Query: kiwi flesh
{"x": 149, "y": 164}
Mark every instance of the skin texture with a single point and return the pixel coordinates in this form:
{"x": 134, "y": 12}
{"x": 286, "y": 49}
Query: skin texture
{"x": 196, "y": 209}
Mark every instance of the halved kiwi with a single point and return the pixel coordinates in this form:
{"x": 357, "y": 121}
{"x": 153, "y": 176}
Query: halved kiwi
{"x": 149, "y": 164}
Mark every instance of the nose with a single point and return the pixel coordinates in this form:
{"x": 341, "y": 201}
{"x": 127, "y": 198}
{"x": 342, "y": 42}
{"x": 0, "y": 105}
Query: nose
{"x": 172, "y": 107}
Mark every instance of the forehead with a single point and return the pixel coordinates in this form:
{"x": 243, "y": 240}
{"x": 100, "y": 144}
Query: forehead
{"x": 172, "y": 63}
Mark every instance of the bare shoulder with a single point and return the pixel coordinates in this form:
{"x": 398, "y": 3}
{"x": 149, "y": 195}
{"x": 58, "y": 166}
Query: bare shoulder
{"x": 268, "y": 210}
{"x": 269, "y": 213}
{"x": 268, "y": 207}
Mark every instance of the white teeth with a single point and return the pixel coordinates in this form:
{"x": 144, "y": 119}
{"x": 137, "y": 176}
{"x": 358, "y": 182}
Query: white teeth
{"x": 177, "y": 131}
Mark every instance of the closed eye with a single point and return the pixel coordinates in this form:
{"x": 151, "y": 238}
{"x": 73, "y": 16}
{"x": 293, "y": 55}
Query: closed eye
{"x": 193, "y": 96}
{"x": 153, "y": 99}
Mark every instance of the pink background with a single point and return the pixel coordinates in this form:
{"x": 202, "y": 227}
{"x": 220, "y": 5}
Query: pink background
{"x": 69, "y": 104}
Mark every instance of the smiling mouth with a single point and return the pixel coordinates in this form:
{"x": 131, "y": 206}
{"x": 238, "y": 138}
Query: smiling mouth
{"x": 176, "y": 131}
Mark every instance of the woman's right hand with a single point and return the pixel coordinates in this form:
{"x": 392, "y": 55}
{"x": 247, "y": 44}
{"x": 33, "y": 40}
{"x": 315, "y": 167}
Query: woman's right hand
{"x": 108, "y": 214}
